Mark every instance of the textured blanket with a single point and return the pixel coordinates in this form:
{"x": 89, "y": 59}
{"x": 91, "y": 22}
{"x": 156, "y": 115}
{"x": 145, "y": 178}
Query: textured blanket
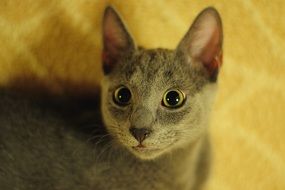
{"x": 56, "y": 45}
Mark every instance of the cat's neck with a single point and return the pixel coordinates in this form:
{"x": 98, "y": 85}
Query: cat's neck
{"x": 177, "y": 168}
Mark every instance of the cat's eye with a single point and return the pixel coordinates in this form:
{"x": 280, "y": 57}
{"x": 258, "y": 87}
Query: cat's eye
{"x": 173, "y": 98}
{"x": 122, "y": 96}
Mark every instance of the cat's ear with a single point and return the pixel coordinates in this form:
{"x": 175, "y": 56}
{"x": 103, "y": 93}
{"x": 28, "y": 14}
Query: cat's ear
{"x": 116, "y": 39}
{"x": 203, "y": 41}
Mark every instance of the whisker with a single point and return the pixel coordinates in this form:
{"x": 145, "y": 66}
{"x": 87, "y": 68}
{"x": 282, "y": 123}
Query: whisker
{"x": 101, "y": 153}
{"x": 98, "y": 137}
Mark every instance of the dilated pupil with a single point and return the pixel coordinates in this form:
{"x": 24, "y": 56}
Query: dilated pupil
{"x": 124, "y": 95}
{"x": 172, "y": 98}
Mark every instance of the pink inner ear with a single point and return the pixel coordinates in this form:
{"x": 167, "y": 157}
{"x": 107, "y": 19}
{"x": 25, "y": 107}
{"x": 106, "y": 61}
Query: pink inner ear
{"x": 206, "y": 43}
{"x": 211, "y": 49}
{"x": 211, "y": 55}
{"x": 113, "y": 41}
{"x": 116, "y": 39}
{"x": 113, "y": 37}
{"x": 215, "y": 64}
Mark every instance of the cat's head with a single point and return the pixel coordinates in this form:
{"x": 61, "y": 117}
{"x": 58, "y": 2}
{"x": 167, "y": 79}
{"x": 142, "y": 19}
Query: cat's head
{"x": 155, "y": 100}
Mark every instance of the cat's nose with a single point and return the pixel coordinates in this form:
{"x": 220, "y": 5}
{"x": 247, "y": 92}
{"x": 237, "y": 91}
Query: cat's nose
{"x": 140, "y": 133}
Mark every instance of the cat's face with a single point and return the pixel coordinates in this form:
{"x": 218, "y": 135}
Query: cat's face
{"x": 156, "y": 100}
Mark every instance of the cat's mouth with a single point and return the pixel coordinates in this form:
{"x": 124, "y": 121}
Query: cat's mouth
{"x": 143, "y": 148}
{"x": 146, "y": 152}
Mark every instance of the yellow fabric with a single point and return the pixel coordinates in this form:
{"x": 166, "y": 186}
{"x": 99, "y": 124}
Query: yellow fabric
{"x": 56, "y": 44}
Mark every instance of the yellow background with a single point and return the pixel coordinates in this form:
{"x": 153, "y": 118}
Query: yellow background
{"x": 56, "y": 45}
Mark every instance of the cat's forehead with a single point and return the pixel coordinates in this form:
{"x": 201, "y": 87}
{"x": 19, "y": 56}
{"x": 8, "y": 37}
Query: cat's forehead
{"x": 161, "y": 68}
{"x": 150, "y": 64}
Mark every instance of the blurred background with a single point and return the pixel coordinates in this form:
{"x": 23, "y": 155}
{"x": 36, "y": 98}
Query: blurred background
{"x": 55, "y": 45}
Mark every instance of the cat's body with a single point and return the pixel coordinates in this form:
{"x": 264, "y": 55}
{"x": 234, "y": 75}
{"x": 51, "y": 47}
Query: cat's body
{"x": 153, "y": 132}
{"x": 40, "y": 148}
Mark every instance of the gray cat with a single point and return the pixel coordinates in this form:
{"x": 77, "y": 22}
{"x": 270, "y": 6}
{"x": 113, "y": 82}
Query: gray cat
{"x": 155, "y": 106}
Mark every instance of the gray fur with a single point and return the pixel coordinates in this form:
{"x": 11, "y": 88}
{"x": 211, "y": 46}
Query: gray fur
{"x": 46, "y": 146}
